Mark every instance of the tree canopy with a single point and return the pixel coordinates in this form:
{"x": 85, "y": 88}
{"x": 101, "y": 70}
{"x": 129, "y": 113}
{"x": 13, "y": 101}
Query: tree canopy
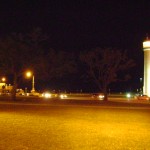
{"x": 105, "y": 65}
{"x": 19, "y": 53}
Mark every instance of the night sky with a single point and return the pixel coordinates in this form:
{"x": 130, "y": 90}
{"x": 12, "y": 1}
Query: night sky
{"x": 77, "y": 25}
{"x": 80, "y": 24}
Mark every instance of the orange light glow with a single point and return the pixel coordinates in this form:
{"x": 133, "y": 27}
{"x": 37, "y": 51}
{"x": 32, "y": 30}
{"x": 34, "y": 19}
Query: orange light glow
{"x": 3, "y": 79}
{"x": 28, "y": 74}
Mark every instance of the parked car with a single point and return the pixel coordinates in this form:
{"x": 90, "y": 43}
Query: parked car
{"x": 99, "y": 96}
{"x": 142, "y": 97}
{"x": 46, "y": 95}
{"x": 62, "y": 96}
{"x": 20, "y": 92}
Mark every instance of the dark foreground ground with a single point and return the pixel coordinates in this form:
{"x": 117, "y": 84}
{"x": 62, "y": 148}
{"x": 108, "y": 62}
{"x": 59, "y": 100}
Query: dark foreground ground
{"x": 74, "y": 125}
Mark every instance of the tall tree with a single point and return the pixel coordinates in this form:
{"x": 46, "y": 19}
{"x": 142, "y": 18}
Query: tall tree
{"x": 36, "y": 39}
{"x": 14, "y": 57}
{"x": 105, "y": 65}
{"x": 48, "y": 63}
{"x": 55, "y": 64}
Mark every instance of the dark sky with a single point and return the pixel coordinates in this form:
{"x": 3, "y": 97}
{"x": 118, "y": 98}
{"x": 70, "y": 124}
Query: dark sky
{"x": 82, "y": 24}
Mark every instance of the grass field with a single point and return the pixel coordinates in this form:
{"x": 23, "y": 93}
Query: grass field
{"x": 73, "y": 127}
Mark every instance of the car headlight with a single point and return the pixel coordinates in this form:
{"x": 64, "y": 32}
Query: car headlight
{"x": 47, "y": 95}
{"x": 101, "y": 96}
{"x": 128, "y": 95}
{"x": 63, "y": 96}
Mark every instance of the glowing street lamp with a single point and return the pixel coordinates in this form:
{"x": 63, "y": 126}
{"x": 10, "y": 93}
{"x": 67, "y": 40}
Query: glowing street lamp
{"x": 3, "y": 79}
{"x": 29, "y": 74}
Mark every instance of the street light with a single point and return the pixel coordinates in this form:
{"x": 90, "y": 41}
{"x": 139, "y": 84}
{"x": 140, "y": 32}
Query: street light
{"x": 3, "y": 85}
{"x": 29, "y": 74}
{"x": 3, "y": 79}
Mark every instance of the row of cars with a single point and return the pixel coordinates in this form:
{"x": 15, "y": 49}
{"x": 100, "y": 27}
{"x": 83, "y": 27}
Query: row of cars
{"x": 101, "y": 96}
{"x": 142, "y": 97}
{"x": 138, "y": 96}
{"x": 97, "y": 96}
{"x": 46, "y": 94}
{"x": 94, "y": 96}
{"x": 54, "y": 95}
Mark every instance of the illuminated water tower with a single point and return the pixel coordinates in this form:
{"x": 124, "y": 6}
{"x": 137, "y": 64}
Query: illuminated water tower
{"x": 146, "y": 49}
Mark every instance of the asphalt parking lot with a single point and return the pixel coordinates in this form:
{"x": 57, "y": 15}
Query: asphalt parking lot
{"x": 74, "y": 126}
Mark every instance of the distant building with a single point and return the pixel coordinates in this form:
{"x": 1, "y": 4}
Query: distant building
{"x": 5, "y": 88}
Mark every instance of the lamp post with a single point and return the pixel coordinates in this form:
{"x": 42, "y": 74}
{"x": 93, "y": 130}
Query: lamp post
{"x": 33, "y": 89}
{"x": 3, "y": 84}
{"x": 29, "y": 74}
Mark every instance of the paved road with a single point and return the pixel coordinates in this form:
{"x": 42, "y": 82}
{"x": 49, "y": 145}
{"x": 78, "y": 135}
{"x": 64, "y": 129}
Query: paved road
{"x": 76, "y": 127}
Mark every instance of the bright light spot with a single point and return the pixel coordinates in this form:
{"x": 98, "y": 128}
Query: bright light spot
{"x": 47, "y": 95}
{"x": 3, "y": 79}
{"x": 101, "y": 96}
{"x": 128, "y": 95}
{"x": 63, "y": 96}
{"x": 28, "y": 74}
{"x": 146, "y": 45}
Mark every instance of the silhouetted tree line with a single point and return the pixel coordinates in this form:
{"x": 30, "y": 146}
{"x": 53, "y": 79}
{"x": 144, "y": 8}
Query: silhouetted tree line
{"x": 20, "y": 52}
